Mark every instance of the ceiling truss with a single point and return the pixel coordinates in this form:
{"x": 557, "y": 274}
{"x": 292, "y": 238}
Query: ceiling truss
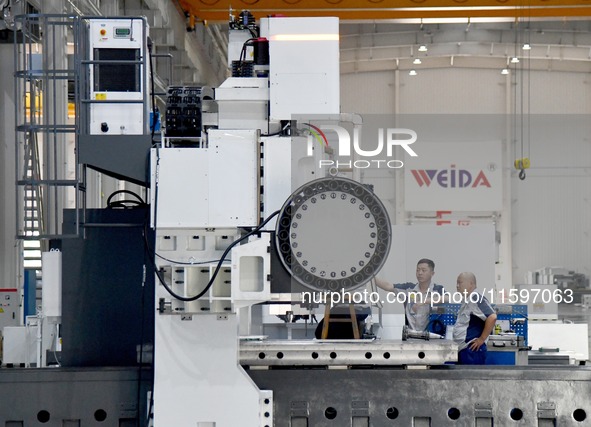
{"x": 356, "y": 10}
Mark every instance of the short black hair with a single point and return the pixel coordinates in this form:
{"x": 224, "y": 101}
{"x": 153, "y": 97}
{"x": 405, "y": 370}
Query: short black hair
{"x": 428, "y": 262}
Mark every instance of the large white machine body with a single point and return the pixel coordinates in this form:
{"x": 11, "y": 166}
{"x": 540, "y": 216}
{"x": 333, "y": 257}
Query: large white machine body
{"x": 118, "y": 73}
{"x": 214, "y": 186}
{"x": 200, "y": 195}
{"x": 304, "y": 76}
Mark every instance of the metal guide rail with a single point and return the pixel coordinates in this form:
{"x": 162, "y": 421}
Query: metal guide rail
{"x": 346, "y": 352}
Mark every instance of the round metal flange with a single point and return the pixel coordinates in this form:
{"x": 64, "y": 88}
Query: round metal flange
{"x": 332, "y": 234}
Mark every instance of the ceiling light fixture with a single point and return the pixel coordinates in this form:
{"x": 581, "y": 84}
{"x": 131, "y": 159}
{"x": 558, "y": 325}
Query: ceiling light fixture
{"x": 514, "y": 60}
{"x": 504, "y": 71}
{"x": 412, "y": 73}
{"x": 423, "y": 48}
{"x": 526, "y": 46}
{"x": 417, "y": 61}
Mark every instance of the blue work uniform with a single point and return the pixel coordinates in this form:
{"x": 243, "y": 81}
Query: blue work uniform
{"x": 469, "y": 326}
{"x": 417, "y": 320}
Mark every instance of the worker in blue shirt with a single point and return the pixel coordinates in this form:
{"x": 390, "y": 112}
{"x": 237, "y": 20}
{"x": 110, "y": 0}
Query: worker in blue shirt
{"x": 417, "y": 308}
{"x": 475, "y": 322}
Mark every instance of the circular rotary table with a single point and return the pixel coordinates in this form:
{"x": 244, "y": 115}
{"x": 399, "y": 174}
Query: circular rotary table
{"x": 333, "y": 234}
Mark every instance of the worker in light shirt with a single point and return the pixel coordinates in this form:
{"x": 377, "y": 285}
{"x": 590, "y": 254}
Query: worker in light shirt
{"x": 475, "y": 322}
{"x": 417, "y": 308}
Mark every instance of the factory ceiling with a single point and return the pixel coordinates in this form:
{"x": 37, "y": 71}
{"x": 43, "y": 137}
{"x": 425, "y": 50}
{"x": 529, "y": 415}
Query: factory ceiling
{"x": 560, "y": 45}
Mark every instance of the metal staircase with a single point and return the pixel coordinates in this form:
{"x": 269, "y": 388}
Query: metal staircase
{"x": 42, "y": 78}
{"x": 33, "y": 219}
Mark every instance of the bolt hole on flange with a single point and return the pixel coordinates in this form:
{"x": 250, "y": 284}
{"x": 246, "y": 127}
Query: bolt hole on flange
{"x": 579, "y": 415}
{"x": 516, "y": 414}
{"x": 392, "y": 413}
{"x": 330, "y": 413}
{"x": 43, "y": 416}
{"x": 100, "y": 415}
{"x": 453, "y": 413}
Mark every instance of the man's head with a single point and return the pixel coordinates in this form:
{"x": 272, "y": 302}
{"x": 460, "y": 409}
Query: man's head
{"x": 425, "y": 270}
{"x": 466, "y": 282}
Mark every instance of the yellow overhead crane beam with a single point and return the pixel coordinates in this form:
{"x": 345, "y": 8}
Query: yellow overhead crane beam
{"x": 218, "y": 10}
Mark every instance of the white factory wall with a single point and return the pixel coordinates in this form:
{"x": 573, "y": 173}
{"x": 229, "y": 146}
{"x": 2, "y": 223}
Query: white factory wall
{"x": 551, "y": 219}
{"x": 372, "y": 93}
{"x": 462, "y": 91}
{"x": 368, "y": 92}
{"x": 560, "y": 93}
{"x": 452, "y": 91}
